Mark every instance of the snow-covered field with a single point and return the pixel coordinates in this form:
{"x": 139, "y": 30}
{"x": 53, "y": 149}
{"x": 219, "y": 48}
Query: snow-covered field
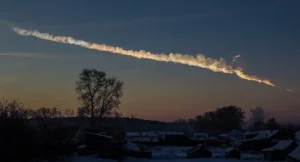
{"x": 91, "y": 159}
{"x": 166, "y": 154}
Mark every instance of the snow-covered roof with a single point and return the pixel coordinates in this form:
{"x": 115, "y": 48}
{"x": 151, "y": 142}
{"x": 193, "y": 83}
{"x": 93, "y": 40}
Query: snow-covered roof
{"x": 100, "y": 135}
{"x": 262, "y": 134}
{"x": 297, "y": 137}
{"x": 81, "y": 146}
{"x": 143, "y": 139}
{"x": 133, "y": 134}
{"x": 295, "y": 153}
{"x": 266, "y": 134}
{"x": 141, "y": 134}
{"x": 131, "y": 146}
{"x": 152, "y": 134}
{"x": 200, "y": 135}
{"x": 297, "y": 133}
{"x": 282, "y": 145}
{"x": 174, "y": 133}
{"x": 251, "y": 133}
{"x": 223, "y": 135}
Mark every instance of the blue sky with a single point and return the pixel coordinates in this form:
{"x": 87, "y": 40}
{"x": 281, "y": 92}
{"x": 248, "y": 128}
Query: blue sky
{"x": 265, "y": 33}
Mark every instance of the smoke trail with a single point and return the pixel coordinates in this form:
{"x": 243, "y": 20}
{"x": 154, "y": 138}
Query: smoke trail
{"x": 199, "y": 60}
{"x": 290, "y": 90}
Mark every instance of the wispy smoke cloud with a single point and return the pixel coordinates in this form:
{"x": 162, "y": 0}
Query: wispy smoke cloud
{"x": 198, "y": 61}
{"x": 27, "y": 55}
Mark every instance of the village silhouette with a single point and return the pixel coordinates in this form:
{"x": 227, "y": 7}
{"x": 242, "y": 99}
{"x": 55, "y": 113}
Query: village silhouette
{"x": 99, "y": 130}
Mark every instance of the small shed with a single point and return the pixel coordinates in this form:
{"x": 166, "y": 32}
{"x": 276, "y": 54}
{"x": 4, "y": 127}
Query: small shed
{"x": 233, "y": 153}
{"x": 297, "y": 137}
{"x": 178, "y": 139}
{"x": 97, "y": 141}
{"x": 279, "y": 151}
{"x": 200, "y": 151}
{"x": 201, "y": 137}
{"x": 232, "y": 136}
{"x": 294, "y": 156}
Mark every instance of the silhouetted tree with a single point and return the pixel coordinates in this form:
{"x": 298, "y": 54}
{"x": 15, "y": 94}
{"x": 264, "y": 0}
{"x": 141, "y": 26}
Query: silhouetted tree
{"x": 230, "y": 117}
{"x": 47, "y": 113}
{"x": 98, "y": 94}
{"x": 272, "y": 124}
{"x": 12, "y": 109}
{"x": 258, "y": 125}
{"x": 83, "y": 112}
{"x": 68, "y": 113}
{"x": 223, "y": 119}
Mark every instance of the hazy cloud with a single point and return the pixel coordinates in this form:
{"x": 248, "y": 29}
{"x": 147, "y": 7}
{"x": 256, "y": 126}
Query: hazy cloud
{"x": 9, "y": 79}
{"x": 28, "y": 55}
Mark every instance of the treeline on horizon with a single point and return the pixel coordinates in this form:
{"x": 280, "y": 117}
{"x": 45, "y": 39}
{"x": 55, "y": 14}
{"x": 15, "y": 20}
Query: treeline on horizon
{"x": 46, "y": 133}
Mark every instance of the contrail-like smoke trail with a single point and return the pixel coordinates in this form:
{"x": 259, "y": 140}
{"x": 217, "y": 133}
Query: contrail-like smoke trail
{"x": 199, "y": 60}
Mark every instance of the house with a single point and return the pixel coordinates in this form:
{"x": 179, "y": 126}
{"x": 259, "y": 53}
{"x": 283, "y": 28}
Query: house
{"x": 200, "y": 151}
{"x": 253, "y": 144}
{"x": 214, "y": 142}
{"x": 297, "y": 137}
{"x": 233, "y": 153}
{"x": 260, "y": 135}
{"x": 132, "y": 135}
{"x": 294, "y": 156}
{"x": 142, "y": 137}
{"x": 94, "y": 143}
{"x": 201, "y": 137}
{"x": 279, "y": 151}
{"x": 96, "y": 140}
{"x": 177, "y": 139}
{"x": 234, "y": 135}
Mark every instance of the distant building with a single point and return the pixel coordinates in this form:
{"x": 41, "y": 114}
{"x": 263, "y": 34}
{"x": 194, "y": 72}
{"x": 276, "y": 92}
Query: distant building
{"x": 294, "y": 156}
{"x": 201, "y": 137}
{"x": 280, "y": 151}
{"x": 142, "y": 137}
{"x": 297, "y": 137}
{"x": 199, "y": 151}
{"x": 232, "y": 136}
{"x": 177, "y": 139}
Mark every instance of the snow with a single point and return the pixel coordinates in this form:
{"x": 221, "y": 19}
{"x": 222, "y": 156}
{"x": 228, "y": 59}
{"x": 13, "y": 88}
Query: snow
{"x": 133, "y": 134}
{"x": 297, "y": 136}
{"x": 174, "y": 133}
{"x": 260, "y": 135}
{"x": 266, "y": 134}
{"x": 131, "y": 146}
{"x": 82, "y": 147}
{"x": 200, "y": 136}
{"x": 143, "y": 139}
{"x": 251, "y": 133}
{"x": 173, "y": 153}
{"x": 149, "y": 134}
{"x": 295, "y": 153}
{"x": 247, "y": 156}
{"x": 298, "y": 133}
{"x": 220, "y": 152}
{"x": 142, "y": 136}
{"x": 95, "y": 159}
{"x": 100, "y": 134}
{"x": 282, "y": 145}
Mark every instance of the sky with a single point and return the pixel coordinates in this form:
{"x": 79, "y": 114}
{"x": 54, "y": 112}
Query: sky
{"x": 264, "y": 33}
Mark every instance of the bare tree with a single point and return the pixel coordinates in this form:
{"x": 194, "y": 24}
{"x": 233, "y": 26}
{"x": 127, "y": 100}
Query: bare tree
{"x": 98, "y": 94}
{"x": 68, "y": 113}
{"x": 12, "y": 109}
